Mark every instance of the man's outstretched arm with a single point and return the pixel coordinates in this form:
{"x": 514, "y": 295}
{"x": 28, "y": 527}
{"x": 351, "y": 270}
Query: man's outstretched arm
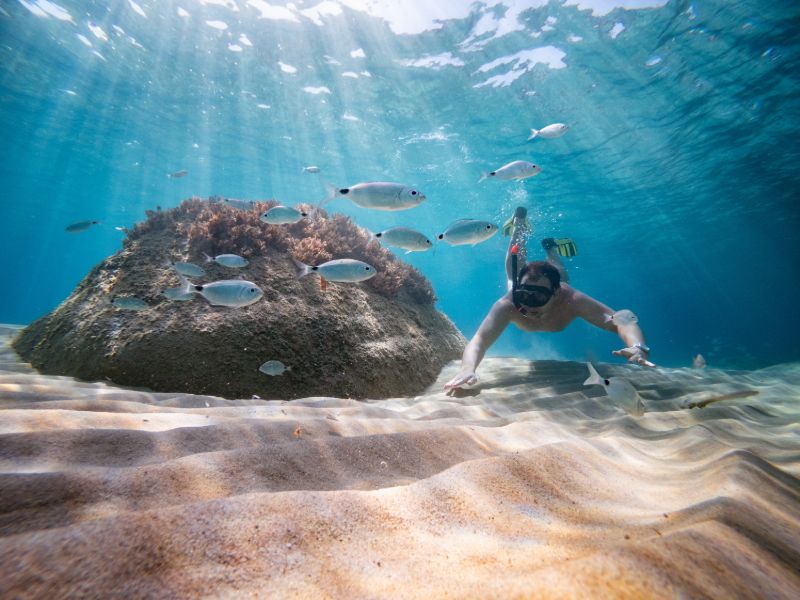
{"x": 631, "y": 335}
{"x": 491, "y": 328}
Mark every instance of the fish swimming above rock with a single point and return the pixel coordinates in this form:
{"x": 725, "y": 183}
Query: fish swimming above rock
{"x": 405, "y": 238}
{"x": 468, "y": 231}
{"x": 620, "y": 390}
{"x": 81, "y": 226}
{"x": 273, "y": 368}
{"x": 233, "y": 202}
{"x": 189, "y": 269}
{"x": 178, "y": 174}
{"x": 129, "y": 303}
{"x": 283, "y": 215}
{"x": 621, "y": 318}
{"x": 519, "y": 169}
{"x": 233, "y": 261}
{"x": 234, "y": 293}
{"x": 378, "y": 195}
{"x": 556, "y": 130}
{"x": 343, "y": 270}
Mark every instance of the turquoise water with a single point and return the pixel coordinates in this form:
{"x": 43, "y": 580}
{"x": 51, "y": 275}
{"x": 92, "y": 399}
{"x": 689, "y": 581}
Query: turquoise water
{"x": 678, "y": 178}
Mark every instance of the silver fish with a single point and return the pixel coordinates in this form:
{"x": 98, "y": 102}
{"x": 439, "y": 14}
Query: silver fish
{"x": 81, "y": 226}
{"x": 189, "y": 269}
{"x": 698, "y": 362}
{"x": 178, "y": 174}
{"x": 619, "y": 390}
{"x": 228, "y": 260}
{"x": 227, "y": 292}
{"x": 379, "y": 195}
{"x": 468, "y": 231}
{"x": 282, "y": 215}
{"x": 311, "y": 169}
{"x": 345, "y": 270}
{"x": 273, "y": 367}
{"x": 556, "y": 130}
{"x": 519, "y": 169}
{"x": 405, "y": 238}
{"x": 233, "y": 202}
{"x": 622, "y": 318}
{"x": 129, "y": 303}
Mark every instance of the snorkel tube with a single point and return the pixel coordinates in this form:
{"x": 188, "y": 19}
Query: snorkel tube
{"x": 515, "y": 278}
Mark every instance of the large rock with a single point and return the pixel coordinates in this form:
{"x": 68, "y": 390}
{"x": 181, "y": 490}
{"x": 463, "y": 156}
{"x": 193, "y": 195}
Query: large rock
{"x": 380, "y": 338}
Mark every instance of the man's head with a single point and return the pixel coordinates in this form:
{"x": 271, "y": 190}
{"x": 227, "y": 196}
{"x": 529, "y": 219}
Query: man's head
{"x": 537, "y": 282}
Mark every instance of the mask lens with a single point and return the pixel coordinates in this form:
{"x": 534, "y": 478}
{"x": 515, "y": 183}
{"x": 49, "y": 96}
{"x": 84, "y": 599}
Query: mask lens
{"x": 534, "y": 295}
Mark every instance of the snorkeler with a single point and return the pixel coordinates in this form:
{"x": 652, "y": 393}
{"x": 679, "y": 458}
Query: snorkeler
{"x": 539, "y": 299}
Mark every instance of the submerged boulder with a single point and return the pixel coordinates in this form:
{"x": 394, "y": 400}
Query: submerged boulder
{"x": 379, "y": 338}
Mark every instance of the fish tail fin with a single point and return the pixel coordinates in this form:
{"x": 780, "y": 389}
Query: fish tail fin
{"x": 302, "y": 268}
{"x": 208, "y": 258}
{"x": 186, "y": 285}
{"x": 594, "y": 376}
{"x": 330, "y": 195}
{"x": 534, "y": 133}
{"x": 408, "y": 252}
{"x": 483, "y": 176}
{"x": 607, "y": 318}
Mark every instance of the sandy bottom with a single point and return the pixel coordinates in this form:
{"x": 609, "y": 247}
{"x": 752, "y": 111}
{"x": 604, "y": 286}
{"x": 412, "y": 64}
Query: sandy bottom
{"x": 529, "y": 486}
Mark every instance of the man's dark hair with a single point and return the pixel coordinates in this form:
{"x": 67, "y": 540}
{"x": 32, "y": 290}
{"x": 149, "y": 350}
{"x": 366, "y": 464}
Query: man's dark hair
{"x": 539, "y": 268}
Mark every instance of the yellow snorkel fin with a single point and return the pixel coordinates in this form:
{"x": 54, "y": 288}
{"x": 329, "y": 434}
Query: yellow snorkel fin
{"x": 565, "y": 246}
{"x": 518, "y": 219}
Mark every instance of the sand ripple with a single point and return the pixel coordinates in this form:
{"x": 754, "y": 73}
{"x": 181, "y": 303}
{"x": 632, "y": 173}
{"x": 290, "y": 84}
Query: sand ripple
{"x": 529, "y": 486}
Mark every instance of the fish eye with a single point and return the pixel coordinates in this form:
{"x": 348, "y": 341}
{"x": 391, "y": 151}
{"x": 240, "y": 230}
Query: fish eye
{"x": 413, "y": 192}
{"x": 367, "y": 268}
{"x": 488, "y": 227}
{"x": 253, "y": 290}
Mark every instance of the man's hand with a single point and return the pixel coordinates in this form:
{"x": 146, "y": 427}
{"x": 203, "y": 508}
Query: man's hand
{"x": 635, "y": 355}
{"x": 463, "y": 378}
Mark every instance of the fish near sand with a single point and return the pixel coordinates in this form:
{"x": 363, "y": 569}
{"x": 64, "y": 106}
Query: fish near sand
{"x": 343, "y": 270}
{"x": 235, "y": 293}
{"x": 233, "y": 261}
{"x": 178, "y": 174}
{"x": 273, "y": 368}
{"x": 619, "y": 390}
{"x": 80, "y": 226}
{"x": 556, "y": 130}
{"x": 468, "y": 231}
{"x": 698, "y": 362}
{"x": 519, "y": 169}
{"x": 282, "y": 215}
{"x": 405, "y": 238}
{"x": 378, "y": 195}
{"x": 621, "y": 318}
{"x": 732, "y": 396}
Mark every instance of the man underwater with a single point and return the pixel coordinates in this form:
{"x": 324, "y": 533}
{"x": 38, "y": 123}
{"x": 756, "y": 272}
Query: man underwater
{"x": 539, "y": 299}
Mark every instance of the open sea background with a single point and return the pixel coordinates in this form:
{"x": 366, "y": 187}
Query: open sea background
{"x": 678, "y": 178}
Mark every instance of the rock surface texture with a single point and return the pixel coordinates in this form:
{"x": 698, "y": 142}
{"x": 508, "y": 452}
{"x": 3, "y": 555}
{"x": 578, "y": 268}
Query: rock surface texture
{"x": 379, "y": 338}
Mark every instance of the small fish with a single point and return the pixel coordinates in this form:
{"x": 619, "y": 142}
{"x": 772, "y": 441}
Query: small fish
{"x": 178, "y": 174}
{"x": 273, "y": 367}
{"x": 519, "y": 169}
{"x": 731, "y": 396}
{"x": 405, "y": 238}
{"x": 282, "y": 215}
{"x": 228, "y": 260}
{"x": 698, "y": 362}
{"x": 468, "y": 231}
{"x": 556, "y": 130}
{"x": 378, "y": 195}
{"x": 235, "y": 293}
{"x": 622, "y": 318}
{"x": 619, "y": 390}
{"x": 344, "y": 270}
{"x": 311, "y": 169}
{"x": 233, "y": 202}
{"x": 129, "y": 303}
{"x": 180, "y": 293}
{"x": 188, "y": 269}
{"x": 81, "y": 226}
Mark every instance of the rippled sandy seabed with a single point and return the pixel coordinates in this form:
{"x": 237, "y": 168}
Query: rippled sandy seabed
{"x": 532, "y": 486}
